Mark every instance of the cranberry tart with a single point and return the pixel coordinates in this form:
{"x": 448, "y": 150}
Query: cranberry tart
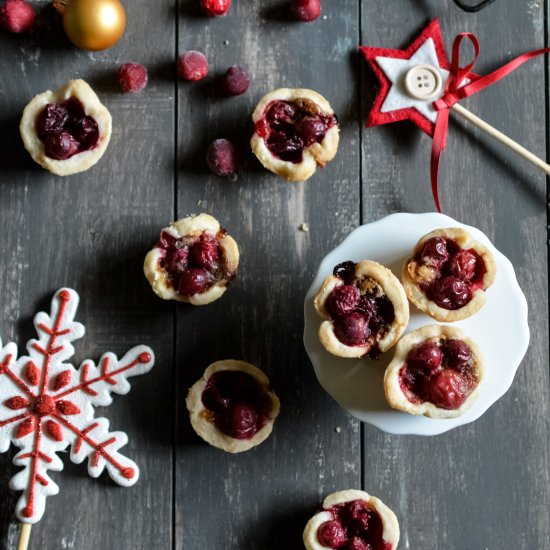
{"x": 193, "y": 262}
{"x": 352, "y": 520}
{"x": 436, "y": 372}
{"x": 295, "y": 131}
{"x": 66, "y": 131}
{"x": 448, "y": 274}
{"x": 232, "y": 406}
{"x": 364, "y": 307}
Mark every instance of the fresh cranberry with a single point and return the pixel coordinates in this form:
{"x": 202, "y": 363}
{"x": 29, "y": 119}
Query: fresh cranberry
{"x": 223, "y": 157}
{"x": 215, "y": 8}
{"x": 51, "y": 120}
{"x": 342, "y": 300}
{"x": 86, "y": 132}
{"x": 434, "y": 252}
{"x": 446, "y": 389}
{"x": 463, "y": 265}
{"x": 204, "y": 253}
{"x": 193, "y": 281}
{"x": 305, "y": 10}
{"x": 425, "y": 357}
{"x": 449, "y": 293}
{"x": 17, "y": 16}
{"x": 332, "y": 534}
{"x": 235, "y": 81}
{"x": 351, "y": 329}
{"x": 60, "y": 146}
{"x": 132, "y": 77}
{"x": 242, "y": 421}
{"x": 280, "y": 111}
{"x": 345, "y": 270}
{"x": 311, "y": 130}
{"x": 357, "y": 543}
{"x": 176, "y": 262}
{"x": 192, "y": 65}
{"x": 458, "y": 354}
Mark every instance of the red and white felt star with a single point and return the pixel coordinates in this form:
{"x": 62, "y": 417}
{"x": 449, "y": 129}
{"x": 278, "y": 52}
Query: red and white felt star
{"x": 393, "y": 103}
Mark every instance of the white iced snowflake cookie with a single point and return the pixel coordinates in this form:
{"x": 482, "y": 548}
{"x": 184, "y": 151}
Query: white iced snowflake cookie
{"x": 448, "y": 273}
{"x": 193, "y": 262}
{"x": 46, "y": 405}
{"x": 296, "y": 131}
{"x": 436, "y": 372}
{"x": 352, "y": 519}
{"x": 232, "y": 406}
{"x": 66, "y": 131}
{"x": 364, "y": 307}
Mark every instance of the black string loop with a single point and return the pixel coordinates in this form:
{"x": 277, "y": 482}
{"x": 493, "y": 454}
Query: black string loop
{"x": 473, "y": 8}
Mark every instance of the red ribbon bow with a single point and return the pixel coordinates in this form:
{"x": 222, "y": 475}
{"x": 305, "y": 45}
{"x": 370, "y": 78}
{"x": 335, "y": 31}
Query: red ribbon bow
{"x": 454, "y": 93}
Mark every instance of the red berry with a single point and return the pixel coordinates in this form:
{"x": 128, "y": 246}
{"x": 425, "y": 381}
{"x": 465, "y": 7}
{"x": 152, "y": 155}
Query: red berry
{"x": 60, "y": 146}
{"x": 193, "y": 281}
{"x": 449, "y": 293}
{"x": 204, "y": 253}
{"x": 343, "y": 299}
{"x": 426, "y": 357}
{"x": 235, "y": 81}
{"x": 17, "y": 16}
{"x": 351, "y": 329}
{"x": 215, "y": 8}
{"x": 458, "y": 354}
{"x": 132, "y": 77}
{"x": 434, "y": 252}
{"x": 446, "y": 389}
{"x": 463, "y": 265}
{"x": 241, "y": 421}
{"x": 332, "y": 534}
{"x": 222, "y": 157}
{"x": 305, "y": 10}
{"x": 192, "y": 65}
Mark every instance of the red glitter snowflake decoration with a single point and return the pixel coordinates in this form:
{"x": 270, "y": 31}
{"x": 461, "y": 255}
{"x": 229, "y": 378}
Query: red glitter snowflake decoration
{"x": 47, "y": 405}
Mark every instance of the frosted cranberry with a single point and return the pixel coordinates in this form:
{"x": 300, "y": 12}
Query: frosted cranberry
{"x": 458, "y": 354}
{"x": 332, "y": 534}
{"x": 280, "y": 111}
{"x": 434, "y": 252}
{"x": 343, "y": 299}
{"x": 17, "y": 16}
{"x": 449, "y": 293}
{"x": 311, "y": 130}
{"x": 425, "y": 357}
{"x": 241, "y": 421}
{"x": 51, "y": 120}
{"x": 463, "y": 265}
{"x": 85, "y": 131}
{"x": 235, "y": 81}
{"x": 446, "y": 389}
{"x": 222, "y": 157}
{"x": 60, "y": 146}
{"x": 192, "y": 65}
{"x": 176, "y": 262}
{"x": 345, "y": 270}
{"x": 204, "y": 253}
{"x": 305, "y": 10}
{"x": 351, "y": 329}
{"x": 215, "y": 8}
{"x": 359, "y": 544}
{"x": 132, "y": 77}
{"x": 193, "y": 281}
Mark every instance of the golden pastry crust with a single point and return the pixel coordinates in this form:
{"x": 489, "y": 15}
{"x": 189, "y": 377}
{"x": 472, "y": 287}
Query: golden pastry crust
{"x": 92, "y": 106}
{"x": 192, "y": 226}
{"x": 367, "y": 272}
{"x": 201, "y": 418}
{"x": 315, "y": 155}
{"x": 390, "y": 533}
{"x": 414, "y": 274}
{"x": 392, "y": 387}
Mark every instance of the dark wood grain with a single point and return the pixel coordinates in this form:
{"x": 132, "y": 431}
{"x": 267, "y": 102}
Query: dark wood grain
{"x": 484, "y": 485}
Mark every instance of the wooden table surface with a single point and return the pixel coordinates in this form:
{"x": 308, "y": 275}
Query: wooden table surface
{"x": 481, "y": 486}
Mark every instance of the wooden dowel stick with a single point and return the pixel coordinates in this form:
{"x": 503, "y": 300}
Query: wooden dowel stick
{"x": 487, "y": 128}
{"x": 24, "y": 535}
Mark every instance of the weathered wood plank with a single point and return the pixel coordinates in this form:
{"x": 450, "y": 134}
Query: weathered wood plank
{"x": 484, "y": 485}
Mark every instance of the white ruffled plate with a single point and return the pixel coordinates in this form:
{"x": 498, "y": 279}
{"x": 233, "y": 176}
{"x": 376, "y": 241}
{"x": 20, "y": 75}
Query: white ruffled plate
{"x": 500, "y": 328}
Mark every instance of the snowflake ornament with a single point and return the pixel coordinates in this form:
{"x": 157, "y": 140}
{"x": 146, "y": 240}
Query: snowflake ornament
{"x": 47, "y": 405}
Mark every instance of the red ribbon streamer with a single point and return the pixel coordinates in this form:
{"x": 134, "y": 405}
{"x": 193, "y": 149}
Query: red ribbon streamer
{"x": 454, "y": 93}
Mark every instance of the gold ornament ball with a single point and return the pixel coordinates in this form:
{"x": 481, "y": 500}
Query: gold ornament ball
{"x": 94, "y": 24}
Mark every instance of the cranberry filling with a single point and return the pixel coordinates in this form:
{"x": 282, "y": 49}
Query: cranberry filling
{"x": 360, "y": 317}
{"x": 354, "y": 526}
{"x": 66, "y": 130}
{"x": 441, "y": 373}
{"x": 193, "y": 264}
{"x": 290, "y": 127}
{"x": 239, "y": 404}
{"x": 458, "y": 272}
